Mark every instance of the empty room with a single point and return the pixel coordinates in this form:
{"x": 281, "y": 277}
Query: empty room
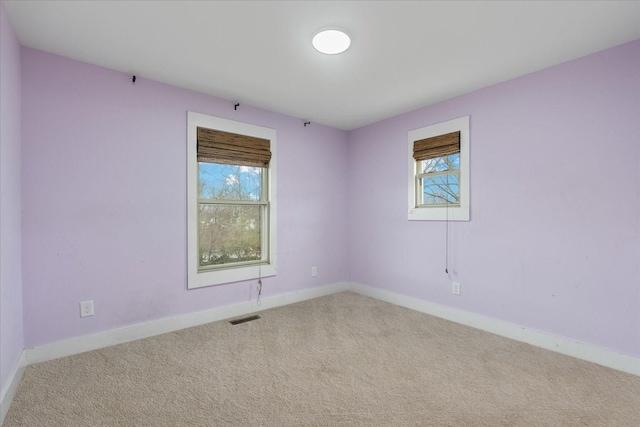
{"x": 319, "y": 213}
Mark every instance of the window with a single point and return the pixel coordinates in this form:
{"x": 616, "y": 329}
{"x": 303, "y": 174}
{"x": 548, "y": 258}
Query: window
{"x": 439, "y": 171}
{"x": 231, "y": 201}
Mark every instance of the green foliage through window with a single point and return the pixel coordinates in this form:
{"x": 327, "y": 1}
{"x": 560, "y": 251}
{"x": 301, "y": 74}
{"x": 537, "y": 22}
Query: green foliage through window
{"x": 232, "y": 207}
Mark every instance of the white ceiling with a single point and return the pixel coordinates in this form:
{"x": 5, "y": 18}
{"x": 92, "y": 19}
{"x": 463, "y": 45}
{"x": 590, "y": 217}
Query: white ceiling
{"x": 404, "y": 55}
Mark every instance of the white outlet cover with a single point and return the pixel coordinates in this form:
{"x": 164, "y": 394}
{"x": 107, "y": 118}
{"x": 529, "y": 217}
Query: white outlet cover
{"x": 86, "y": 308}
{"x": 455, "y": 288}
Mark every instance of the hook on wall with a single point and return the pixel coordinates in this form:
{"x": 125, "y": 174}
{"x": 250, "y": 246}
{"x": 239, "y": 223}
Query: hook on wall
{"x": 306, "y": 123}
{"x": 235, "y": 107}
{"x": 133, "y": 80}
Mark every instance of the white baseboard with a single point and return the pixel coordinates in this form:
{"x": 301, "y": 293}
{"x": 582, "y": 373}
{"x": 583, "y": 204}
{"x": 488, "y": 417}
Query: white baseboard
{"x": 561, "y": 345}
{"x": 547, "y": 341}
{"x": 77, "y": 345}
{"x": 9, "y": 390}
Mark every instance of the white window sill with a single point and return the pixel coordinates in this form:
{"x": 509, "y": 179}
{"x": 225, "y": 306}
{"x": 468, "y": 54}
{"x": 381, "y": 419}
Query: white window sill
{"x": 439, "y": 214}
{"x": 230, "y": 275}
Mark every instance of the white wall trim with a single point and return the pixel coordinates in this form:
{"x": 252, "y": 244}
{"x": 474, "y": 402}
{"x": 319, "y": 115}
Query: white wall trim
{"x": 198, "y": 279}
{"x": 9, "y": 390}
{"x": 77, "y": 345}
{"x": 590, "y": 353}
{"x": 547, "y": 341}
{"x": 441, "y": 213}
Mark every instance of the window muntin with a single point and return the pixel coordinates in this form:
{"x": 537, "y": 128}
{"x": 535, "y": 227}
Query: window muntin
{"x": 236, "y": 191}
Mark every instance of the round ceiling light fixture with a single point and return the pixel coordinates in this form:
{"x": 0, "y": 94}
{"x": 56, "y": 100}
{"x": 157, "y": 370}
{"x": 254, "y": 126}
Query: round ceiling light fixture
{"x": 331, "y": 42}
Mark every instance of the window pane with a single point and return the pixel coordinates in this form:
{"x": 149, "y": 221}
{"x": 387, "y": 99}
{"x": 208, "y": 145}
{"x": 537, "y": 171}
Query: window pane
{"x": 229, "y": 182}
{"x": 229, "y": 234}
{"x": 440, "y": 190}
{"x": 441, "y": 164}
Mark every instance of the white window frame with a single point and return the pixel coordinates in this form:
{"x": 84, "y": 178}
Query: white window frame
{"x": 238, "y": 273}
{"x": 440, "y": 212}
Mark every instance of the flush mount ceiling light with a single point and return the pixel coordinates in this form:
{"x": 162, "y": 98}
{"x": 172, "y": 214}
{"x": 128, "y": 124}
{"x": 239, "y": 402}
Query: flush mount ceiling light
{"x": 331, "y": 42}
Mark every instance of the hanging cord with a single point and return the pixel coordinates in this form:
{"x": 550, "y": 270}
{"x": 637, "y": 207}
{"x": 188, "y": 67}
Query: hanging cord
{"x": 446, "y": 262}
{"x": 446, "y": 245}
{"x": 259, "y": 301}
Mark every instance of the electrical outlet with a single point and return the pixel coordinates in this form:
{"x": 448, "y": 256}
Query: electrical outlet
{"x": 86, "y": 308}
{"x": 455, "y": 288}
{"x": 314, "y": 271}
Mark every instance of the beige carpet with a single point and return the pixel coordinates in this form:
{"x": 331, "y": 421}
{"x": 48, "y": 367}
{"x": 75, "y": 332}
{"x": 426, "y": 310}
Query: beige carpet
{"x": 341, "y": 360}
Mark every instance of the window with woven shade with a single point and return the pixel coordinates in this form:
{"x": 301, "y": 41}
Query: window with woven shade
{"x": 439, "y": 171}
{"x": 232, "y": 234}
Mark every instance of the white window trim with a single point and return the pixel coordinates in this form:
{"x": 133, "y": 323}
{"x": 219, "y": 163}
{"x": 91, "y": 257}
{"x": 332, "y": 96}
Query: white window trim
{"x": 441, "y": 213}
{"x": 197, "y": 279}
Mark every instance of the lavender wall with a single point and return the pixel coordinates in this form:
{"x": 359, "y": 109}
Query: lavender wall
{"x": 11, "y": 331}
{"x": 553, "y": 243}
{"x": 104, "y": 199}
{"x": 554, "y": 239}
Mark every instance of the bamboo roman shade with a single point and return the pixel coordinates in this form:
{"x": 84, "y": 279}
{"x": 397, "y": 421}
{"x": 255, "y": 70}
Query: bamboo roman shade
{"x": 216, "y": 146}
{"x": 436, "y": 146}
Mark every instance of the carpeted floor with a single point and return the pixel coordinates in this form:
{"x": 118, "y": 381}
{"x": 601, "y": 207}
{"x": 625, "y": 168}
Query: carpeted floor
{"x": 340, "y": 360}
